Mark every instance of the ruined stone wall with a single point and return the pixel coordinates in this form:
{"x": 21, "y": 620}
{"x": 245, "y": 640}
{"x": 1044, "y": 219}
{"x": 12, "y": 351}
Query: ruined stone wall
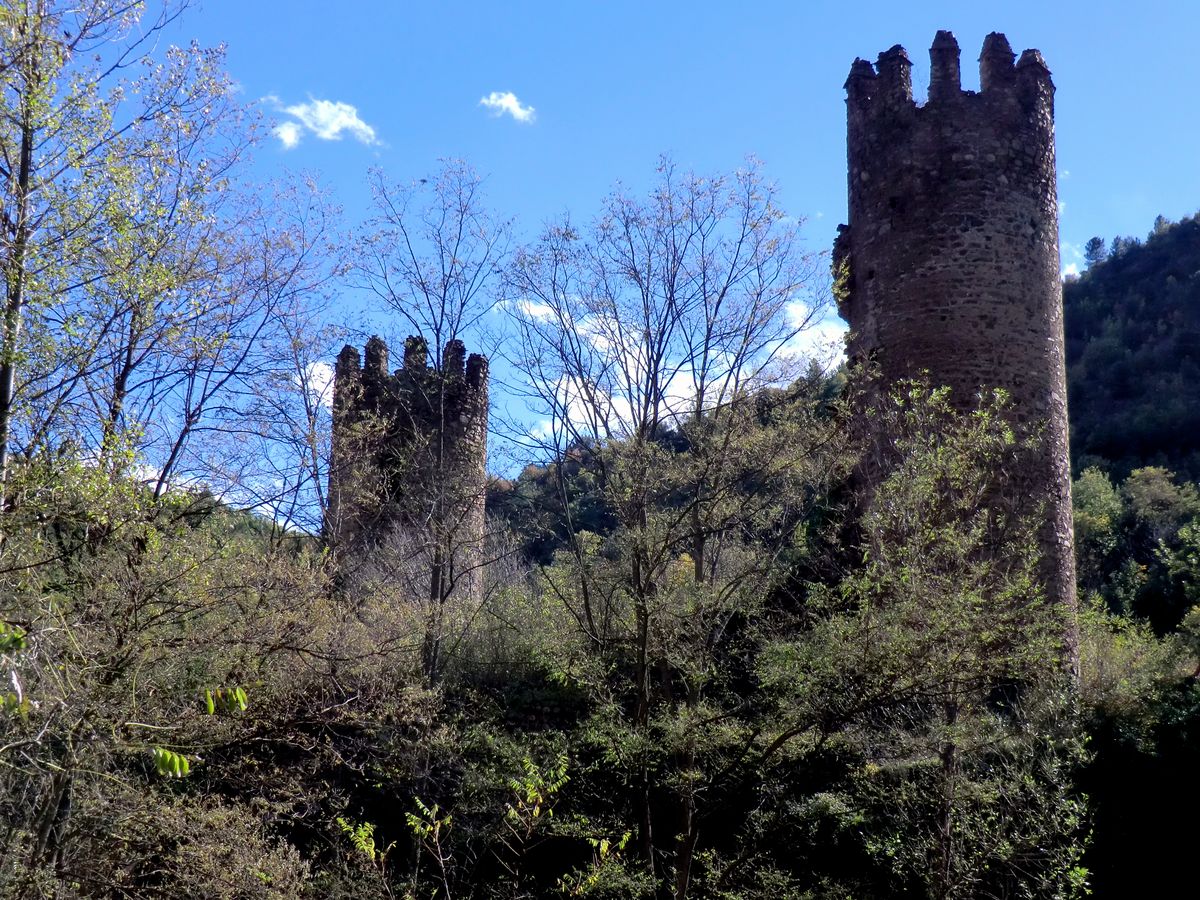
{"x": 409, "y": 457}
{"x": 951, "y": 251}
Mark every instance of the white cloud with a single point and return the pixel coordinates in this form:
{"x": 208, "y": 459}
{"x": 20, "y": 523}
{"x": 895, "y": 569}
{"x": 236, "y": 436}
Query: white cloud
{"x": 501, "y": 102}
{"x": 542, "y": 430}
{"x": 1071, "y": 257}
{"x": 318, "y": 381}
{"x": 288, "y": 134}
{"x": 598, "y": 330}
{"x": 584, "y": 408}
{"x": 328, "y": 120}
{"x": 821, "y": 337}
{"x": 605, "y": 396}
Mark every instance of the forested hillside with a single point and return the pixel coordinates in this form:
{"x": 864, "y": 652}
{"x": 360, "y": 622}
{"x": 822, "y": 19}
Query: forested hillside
{"x": 1133, "y": 352}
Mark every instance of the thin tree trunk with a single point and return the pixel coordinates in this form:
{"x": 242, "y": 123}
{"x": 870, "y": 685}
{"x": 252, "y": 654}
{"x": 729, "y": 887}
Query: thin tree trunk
{"x": 53, "y": 818}
{"x": 949, "y": 763}
{"x": 690, "y": 831}
{"x": 15, "y": 299}
{"x": 431, "y": 652}
{"x": 120, "y": 391}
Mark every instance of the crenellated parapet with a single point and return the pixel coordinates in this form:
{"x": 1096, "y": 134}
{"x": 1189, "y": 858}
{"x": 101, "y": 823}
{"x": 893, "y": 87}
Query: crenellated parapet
{"x": 409, "y": 449}
{"x": 885, "y": 88}
{"x": 949, "y": 262}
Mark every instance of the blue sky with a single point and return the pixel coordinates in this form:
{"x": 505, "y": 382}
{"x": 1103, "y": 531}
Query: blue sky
{"x": 615, "y": 84}
{"x": 555, "y": 102}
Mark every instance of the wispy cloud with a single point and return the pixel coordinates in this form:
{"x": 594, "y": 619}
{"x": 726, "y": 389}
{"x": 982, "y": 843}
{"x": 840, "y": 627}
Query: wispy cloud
{"x": 500, "y": 103}
{"x": 600, "y": 392}
{"x": 535, "y": 309}
{"x": 327, "y": 120}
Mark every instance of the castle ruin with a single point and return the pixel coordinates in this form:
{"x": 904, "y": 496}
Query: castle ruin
{"x": 951, "y": 252}
{"x": 407, "y": 473}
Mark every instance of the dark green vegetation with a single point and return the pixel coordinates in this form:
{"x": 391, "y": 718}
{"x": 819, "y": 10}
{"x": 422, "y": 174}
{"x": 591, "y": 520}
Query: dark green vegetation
{"x": 701, "y": 667}
{"x": 1133, "y": 352}
{"x": 201, "y": 714}
{"x": 1138, "y": 547}
{"x": 1133, "y": 358}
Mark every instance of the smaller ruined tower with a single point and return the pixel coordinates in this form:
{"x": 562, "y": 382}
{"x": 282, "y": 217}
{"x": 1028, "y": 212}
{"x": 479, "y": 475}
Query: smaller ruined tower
{"x": 950, "y": 257}
{"x": 408, "y": 467}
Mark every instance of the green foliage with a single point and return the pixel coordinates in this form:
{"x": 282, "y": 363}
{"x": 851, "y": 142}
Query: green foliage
{"x": 606, "y": 876}
{"x": 1134, "y": 543}
{"x": 1181, "y": 561}
{"x": 1094, "y": 251}
{"x": 1123, "y": 667}
{"x": 534, "y": 790}
{"x": 362, "y": 838}
{"x": 227, "y": 700}
{"x": 941, "y": 664}
{"x": 170, "y": 764}
{"x": 1157, "y": 502}
{"x": 1009, "y": 808}
{"x": 1098, "y": 509}
{"x": 12, "y": 638}
{"x": 425, "y": 823}
{"x": 1132, "y": 326}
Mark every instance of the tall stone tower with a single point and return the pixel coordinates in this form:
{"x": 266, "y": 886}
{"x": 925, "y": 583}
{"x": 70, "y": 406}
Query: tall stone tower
{"x": 951, "y": 252}
{"x": 407, "y": 474}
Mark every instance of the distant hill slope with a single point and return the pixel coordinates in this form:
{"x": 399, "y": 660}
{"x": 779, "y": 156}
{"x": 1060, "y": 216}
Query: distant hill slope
{"x": 1133, "y": 353}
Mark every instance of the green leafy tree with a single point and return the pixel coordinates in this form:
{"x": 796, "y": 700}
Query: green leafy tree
{"x": 148, "y": 293}
{"x": 1130, "y": 328}
{"x": 1158, "y": 503}
{"x": 1099, "y": 511}
{"x": 941, "y": 663}
{"x": 146, "y": 301}
{"x": 68, "y": 156}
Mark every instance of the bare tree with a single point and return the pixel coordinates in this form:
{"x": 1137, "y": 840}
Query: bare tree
{"x": 431, "y": 252}
{"x": 668, "y": 308}
{"x": 671, "y": 322}
{"x": 254, "y": 394}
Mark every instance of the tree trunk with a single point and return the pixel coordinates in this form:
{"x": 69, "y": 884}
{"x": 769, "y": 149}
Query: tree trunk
{"x": 15, "y": 276}
{"x": 949, "y": 765}
{"x": 432, "y": 646}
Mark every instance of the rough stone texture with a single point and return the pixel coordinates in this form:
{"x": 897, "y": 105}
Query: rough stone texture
{"x": 409, "y": 458}
{"x": 951, "y": 253}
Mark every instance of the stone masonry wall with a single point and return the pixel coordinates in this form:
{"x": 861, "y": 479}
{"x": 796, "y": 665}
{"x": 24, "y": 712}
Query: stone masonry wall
{"x": 952, "y": 249}
{"x": 409, "y": 456}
